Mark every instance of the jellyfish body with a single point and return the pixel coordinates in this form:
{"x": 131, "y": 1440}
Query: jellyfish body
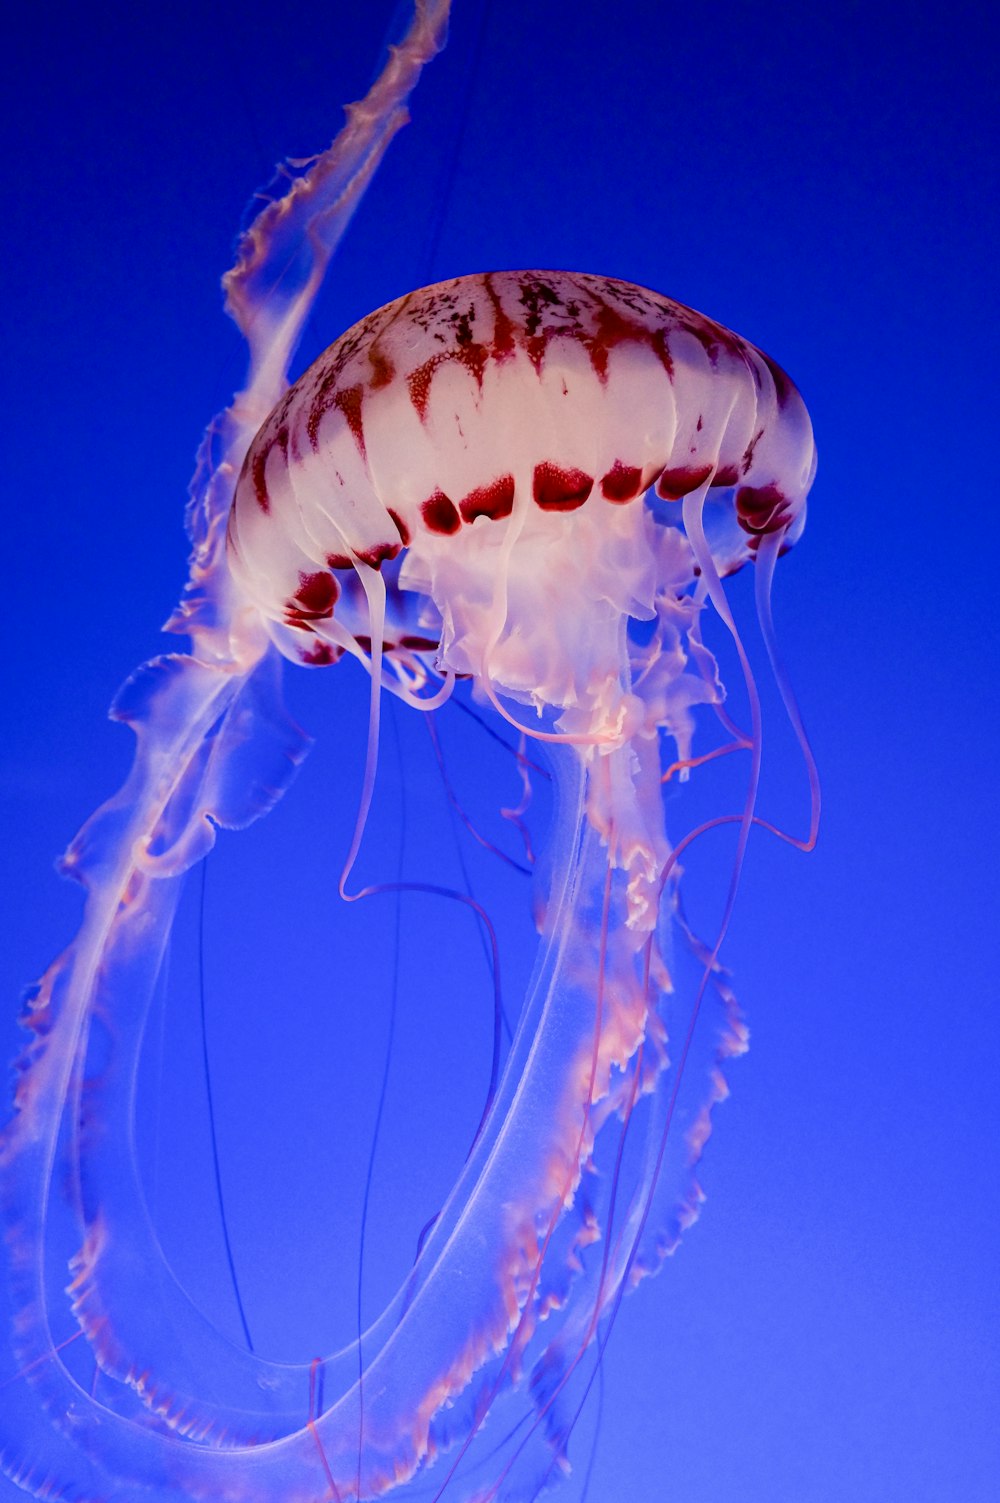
{"x": 461, "y": 487}
{"x": 546, "y": 401}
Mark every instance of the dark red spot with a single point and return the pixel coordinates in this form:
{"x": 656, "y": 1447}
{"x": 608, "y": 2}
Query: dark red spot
{"x": 379, "y": 554}
{"x": 383, "y": 369}
{"x": 727, "y": 475}
{"x": 614, "y": 328}
{"x": 711, "y": 336}
{"x": 623, "y": 482}
{"x": 401, "y": 527}
{"x": 323, "y": 400}
{"x": 420, "y": 644}
{"x": 439, "y": 513}
{"x": 535, "y": 346}
{"x": 339, "y": 561}
{"x": 673, "y": 484}
{"x": 783, "y": 387}
{"x": 556, "y": 489}
{"x": 462, "y": 323}
{"x": 258, "y": 464}
{"x": 658, "y": 343}
{"x": 322, "y": 655}
{"x": 419, "y": 384}
{"x": 494, "y": 500}
{"x": 748, "y": 451}
{"x": 349, "y": 402}
{"x": 472, "y": 356}
{"x": 315, "y": 597}
{"x": 762, "y": 509}
{"x": 281, "y": 441}
{"x": 537, "y": 298}
{"x": 504, "y": 342}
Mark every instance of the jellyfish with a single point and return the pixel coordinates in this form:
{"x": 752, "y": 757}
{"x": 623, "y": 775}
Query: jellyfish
{"x": 533, "y": 484}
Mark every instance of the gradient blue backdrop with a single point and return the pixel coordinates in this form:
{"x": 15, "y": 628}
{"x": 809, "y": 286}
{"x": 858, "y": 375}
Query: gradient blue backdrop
{"x": 824, "y": 180}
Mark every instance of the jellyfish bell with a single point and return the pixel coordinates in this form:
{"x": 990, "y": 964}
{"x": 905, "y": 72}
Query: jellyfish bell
{"x": 521, "y": 395}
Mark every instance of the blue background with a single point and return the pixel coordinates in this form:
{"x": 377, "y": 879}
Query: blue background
{"x": 824, "y": 180}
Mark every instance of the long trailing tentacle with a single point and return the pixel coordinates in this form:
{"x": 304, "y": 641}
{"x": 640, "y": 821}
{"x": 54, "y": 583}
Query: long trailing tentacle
{"x": 213, "y": 748}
